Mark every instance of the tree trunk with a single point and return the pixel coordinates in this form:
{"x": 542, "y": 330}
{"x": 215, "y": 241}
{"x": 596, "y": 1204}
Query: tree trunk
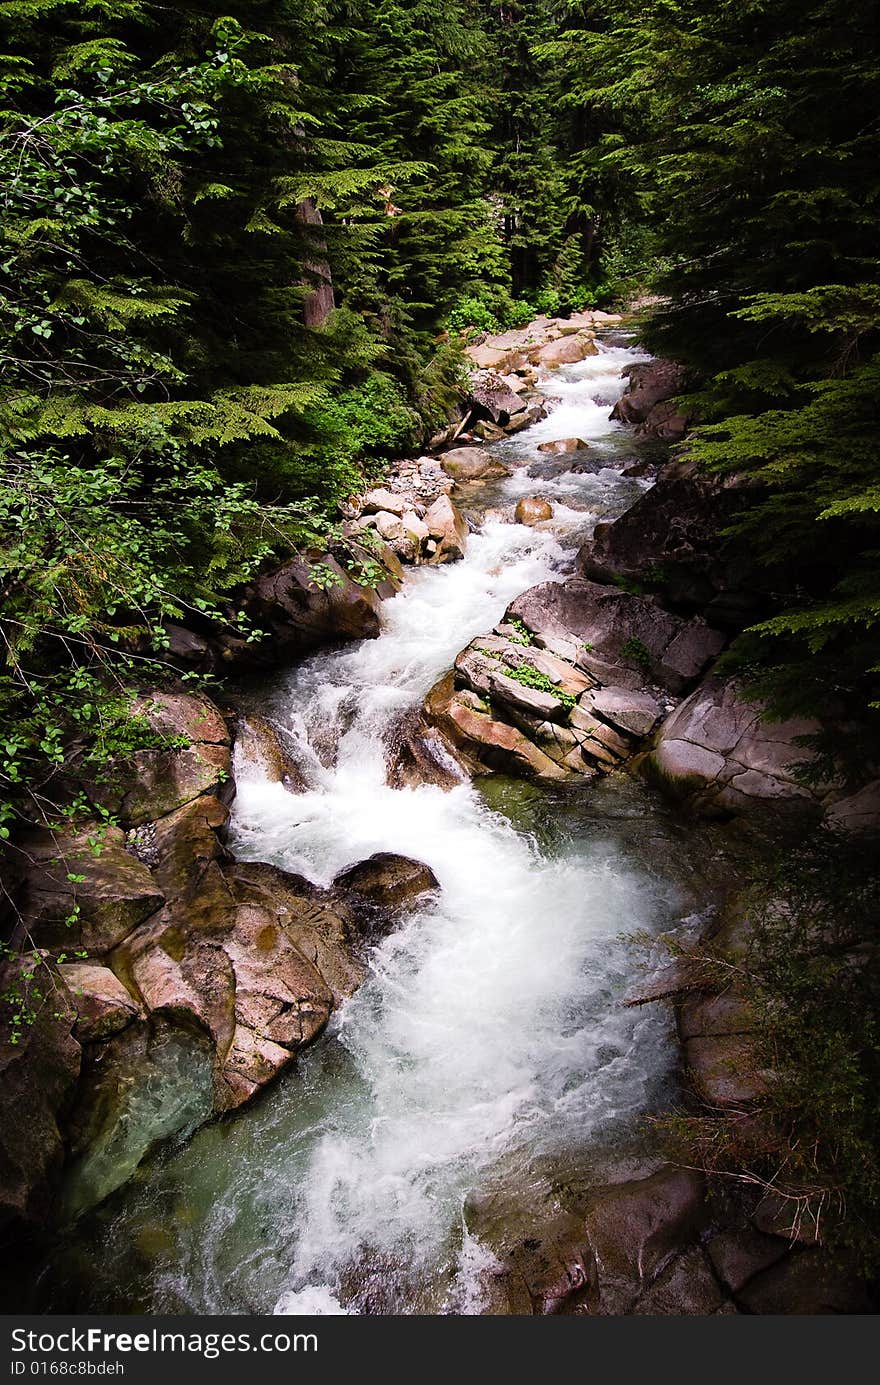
{"x": 320, "y": 300}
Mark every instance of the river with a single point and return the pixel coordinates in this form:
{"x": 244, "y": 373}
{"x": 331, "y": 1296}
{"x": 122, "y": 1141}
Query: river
{"x": 487, "y": 1064}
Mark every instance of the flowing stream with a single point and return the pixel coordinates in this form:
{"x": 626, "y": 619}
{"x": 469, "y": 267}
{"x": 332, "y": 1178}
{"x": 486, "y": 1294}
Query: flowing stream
{"x": 487, "y": 1057}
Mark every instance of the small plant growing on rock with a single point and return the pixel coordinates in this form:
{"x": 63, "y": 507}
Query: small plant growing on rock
{"x": 522, "y": 634}
{"x": 531, "y": 677}
{"x": 638, "y": 653}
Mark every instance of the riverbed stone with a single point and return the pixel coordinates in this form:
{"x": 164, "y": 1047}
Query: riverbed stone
{"x": 448, "y": 528}
{"x": 471, "y": 464}
{"x": 388, "y": 879}
{"x": 560, "y": 446}
{"x": 635, "y": 1228}
{"x": 531, "y": 509}
{"x": 717, "y": 751}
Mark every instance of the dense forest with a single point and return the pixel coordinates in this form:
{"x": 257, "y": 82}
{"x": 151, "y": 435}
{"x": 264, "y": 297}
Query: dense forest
{"x": 239, "y": 249}
{"x": 245, "y": 245}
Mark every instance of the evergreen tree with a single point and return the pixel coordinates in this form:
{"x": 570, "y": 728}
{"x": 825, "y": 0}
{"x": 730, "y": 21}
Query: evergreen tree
{"x": 751, "y": 132}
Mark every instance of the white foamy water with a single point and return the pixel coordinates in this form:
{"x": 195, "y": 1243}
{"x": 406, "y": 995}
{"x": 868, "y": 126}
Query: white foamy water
{"x": 486, "y": 1025}
{"x": 489, "y": 1038}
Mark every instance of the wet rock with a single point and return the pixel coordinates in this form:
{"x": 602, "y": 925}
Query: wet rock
{"x": 388, "y": 880}
{"x": 646, "y": 403}
{"x": 673, "y": 533}
{"x": 805, "y": 1284}
{"x": 448, "y": 529}
{"x": 635, "y": 1229}
{"x": 533, "y": 510}
{"x": 567, "y": 351}
{"x": 300, "y": 613}
{"x": 258, "y": 743}
{"x": 141, "y": 1087}
{"x": 471, "y": 464}
{"x": 738, "y": 1255}
{"x": 619, "y": 630}
{"x": 560, "y": 446}
{"x": 103, "y": 1005}
{"x": 111, "y": 894}
{"x": 38, "y": 1076}
{"x": 717, "y": 752}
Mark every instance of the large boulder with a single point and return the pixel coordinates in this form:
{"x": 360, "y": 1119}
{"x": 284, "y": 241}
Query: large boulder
{"x": 646, "y": 403}
{"x": 718, "y": 753}
{"x": 568, "y": 350}
{"x": 85, "y": 891}
{"x": 300, "y": 613}
{"x": 258, "y": 742}
{"x": 192, "y": 756}
{"x": 672, "y": 536}
{"x": 471, "y": 464}
{"x": 623, "y": 639}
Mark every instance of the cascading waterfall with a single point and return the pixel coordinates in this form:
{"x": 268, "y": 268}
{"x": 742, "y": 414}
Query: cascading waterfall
{"x": 488, "y": 1040}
